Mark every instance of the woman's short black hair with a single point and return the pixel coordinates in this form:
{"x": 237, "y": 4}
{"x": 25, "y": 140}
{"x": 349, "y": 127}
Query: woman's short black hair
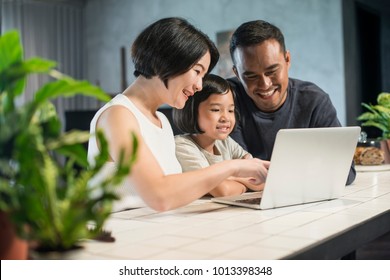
{"x": 170, "y": 47}
{"x": 186, "y": 119}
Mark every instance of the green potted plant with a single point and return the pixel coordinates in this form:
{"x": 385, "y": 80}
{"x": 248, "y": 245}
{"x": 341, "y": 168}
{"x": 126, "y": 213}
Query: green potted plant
{"x": 47, "y": 199}
{"x": 378, "y": 115}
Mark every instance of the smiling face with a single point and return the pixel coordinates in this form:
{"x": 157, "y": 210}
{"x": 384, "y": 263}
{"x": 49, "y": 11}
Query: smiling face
{"x": 185, "y": 85}
{"x": 263, "y": 71}
{"x": 216, "y": 117}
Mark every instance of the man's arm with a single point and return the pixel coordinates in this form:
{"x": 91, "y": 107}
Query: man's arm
{"x": 351, "y": 175}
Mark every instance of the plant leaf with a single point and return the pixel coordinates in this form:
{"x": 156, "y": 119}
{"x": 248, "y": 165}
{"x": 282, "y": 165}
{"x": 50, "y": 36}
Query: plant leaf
{"x": 11, "y": 50}
{"x": 69, "y": 88}
{"x": 384, "y": 99}
{"x": 375, "y": 124}
{"x": 12, "y": 79}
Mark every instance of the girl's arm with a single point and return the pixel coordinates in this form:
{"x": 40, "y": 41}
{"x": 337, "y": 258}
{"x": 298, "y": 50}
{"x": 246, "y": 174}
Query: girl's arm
{"x": 228, "y": 187}
{"x": 191, "y": 157}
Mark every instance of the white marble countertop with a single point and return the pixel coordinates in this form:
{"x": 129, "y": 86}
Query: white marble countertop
{"x": 205, "y": 230}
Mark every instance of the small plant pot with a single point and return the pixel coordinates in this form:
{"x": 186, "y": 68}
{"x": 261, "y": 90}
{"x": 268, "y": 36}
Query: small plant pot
{"x": 11, "y": 246}
{"x": 385, "y": 147}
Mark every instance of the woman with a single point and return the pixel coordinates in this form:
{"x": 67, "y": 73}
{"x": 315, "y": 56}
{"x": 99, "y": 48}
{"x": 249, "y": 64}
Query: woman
{"x": 207, "y": 119}
{"x": 170, "y": 58}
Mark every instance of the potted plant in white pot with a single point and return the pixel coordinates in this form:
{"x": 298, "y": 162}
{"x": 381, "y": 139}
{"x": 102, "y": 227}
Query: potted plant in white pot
{"x": 378, "y": 115}
{"x": 47, "y": 199}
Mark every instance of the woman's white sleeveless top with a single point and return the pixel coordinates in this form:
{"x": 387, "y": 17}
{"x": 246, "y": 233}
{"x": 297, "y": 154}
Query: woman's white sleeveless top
{"x": 159, "y": 140}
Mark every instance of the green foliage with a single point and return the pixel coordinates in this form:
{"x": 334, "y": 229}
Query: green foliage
{"x": 378, "y": 115}
{"x": 48, "y": 200}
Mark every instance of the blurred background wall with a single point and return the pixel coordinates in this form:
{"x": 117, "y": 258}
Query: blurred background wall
{"x": 341, "y": 45}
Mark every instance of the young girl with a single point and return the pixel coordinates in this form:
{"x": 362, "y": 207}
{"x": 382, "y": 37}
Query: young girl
{"x": 170, "y": 57}
{"x": 207, "y": 119}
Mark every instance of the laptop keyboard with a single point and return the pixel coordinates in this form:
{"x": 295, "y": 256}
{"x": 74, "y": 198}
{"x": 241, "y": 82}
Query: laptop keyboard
{"x": 255, "y": 200}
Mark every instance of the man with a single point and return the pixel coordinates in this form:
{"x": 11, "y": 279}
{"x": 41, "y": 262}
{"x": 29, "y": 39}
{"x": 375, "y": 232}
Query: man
{"x": 266, "y": 98}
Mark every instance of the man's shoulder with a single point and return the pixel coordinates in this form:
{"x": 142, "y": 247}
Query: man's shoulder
{"x": 304, "y": 86}
{"x": 306, "y": 89}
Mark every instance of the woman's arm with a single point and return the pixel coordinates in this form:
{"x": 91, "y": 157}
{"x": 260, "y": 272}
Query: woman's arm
{"x": 164, "y": 192}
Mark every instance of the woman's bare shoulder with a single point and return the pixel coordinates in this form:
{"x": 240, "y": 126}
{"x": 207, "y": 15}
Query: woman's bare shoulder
{"x": 117, "y": 117}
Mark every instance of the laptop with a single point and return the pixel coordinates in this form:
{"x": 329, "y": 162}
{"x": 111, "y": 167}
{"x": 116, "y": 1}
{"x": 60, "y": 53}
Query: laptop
{"x": 307, "y": 165}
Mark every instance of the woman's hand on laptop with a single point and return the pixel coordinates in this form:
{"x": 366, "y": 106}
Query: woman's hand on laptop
{"x": 254, "y": 169}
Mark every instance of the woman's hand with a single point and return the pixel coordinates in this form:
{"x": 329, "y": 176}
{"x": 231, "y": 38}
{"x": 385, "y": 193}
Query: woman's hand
{"x": 254, "y": 169}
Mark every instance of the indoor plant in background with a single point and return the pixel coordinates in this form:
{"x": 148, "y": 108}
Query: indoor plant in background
{"x": 378, "y": 115}
{"x": 49, "y": 202}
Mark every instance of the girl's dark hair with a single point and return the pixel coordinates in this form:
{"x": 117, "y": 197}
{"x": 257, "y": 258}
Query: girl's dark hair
{"x": 186, "y": 119}
{"x": 253, "y": 33}
{"x": 170, "y": 47}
